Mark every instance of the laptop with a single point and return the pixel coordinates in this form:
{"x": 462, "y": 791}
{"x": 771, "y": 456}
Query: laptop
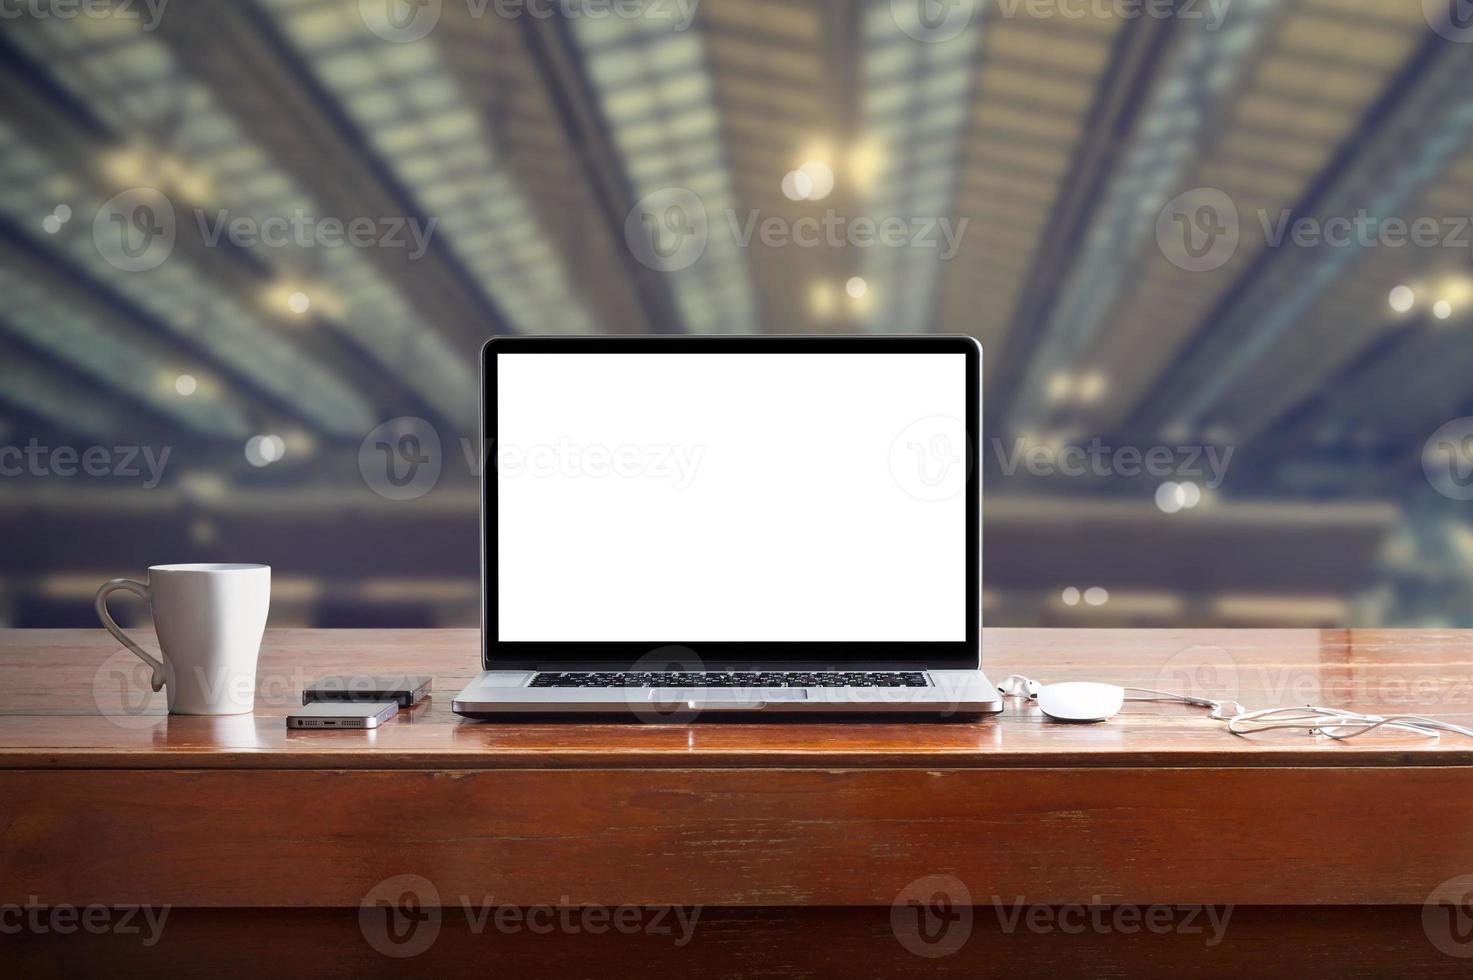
{"x": 692, "y": 527}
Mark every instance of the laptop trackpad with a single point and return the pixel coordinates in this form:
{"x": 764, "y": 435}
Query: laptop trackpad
{"x": 717, "y": 695}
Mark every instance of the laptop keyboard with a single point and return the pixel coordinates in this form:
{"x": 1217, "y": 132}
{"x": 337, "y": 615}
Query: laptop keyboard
{"x": 737, "y": 678}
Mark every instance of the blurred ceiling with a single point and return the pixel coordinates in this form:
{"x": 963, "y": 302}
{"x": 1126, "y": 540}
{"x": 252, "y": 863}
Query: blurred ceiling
{"x": 523, "y": 143}
{"x": 502, "y": 160}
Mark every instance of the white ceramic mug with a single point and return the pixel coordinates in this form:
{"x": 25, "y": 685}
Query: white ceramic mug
{"x": 209, "y": 620}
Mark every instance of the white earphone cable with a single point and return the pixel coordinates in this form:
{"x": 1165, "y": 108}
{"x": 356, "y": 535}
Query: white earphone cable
{"x": 1336, "y": 723}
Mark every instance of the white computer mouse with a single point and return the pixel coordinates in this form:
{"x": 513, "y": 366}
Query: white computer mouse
{"x": 1080, "y": 701}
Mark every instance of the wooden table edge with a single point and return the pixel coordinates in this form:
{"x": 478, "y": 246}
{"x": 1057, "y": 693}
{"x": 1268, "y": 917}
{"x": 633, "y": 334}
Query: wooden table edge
{"x": 215, "y": 759}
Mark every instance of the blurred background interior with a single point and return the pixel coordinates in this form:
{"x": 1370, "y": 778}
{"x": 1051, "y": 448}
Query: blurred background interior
{"x": 1089, "y": 146}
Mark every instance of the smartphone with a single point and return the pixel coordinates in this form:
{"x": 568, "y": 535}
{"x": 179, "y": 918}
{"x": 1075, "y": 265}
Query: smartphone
{"x": 343, "y": 714}
{"x": 405, "y": 690}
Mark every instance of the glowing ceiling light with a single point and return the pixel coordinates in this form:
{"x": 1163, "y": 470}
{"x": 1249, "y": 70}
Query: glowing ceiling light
{"x": 820, "y": 179}
{"x": 255, "y": 453}
{"x": 797, "y": 185}
{"x": 126, "y": 168}
{"x": 263, "y": 450}
{"x": 1170, "y": 498}
{"x": 1092, "y": 387}
{"x": 1402, "y": 299}
{"x": 194, "y": 186}
{"x": 822, "y": 301}
{"x": 865, "y": 162}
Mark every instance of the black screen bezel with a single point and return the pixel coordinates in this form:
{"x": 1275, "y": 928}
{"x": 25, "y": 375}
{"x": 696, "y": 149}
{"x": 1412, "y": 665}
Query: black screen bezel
{"x": 960, "y": 654}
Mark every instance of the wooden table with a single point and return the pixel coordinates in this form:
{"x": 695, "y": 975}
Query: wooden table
{"x": 816, "y": 849}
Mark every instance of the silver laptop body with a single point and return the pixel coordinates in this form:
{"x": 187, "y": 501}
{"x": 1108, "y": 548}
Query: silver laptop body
{"x": 677, "y": 528}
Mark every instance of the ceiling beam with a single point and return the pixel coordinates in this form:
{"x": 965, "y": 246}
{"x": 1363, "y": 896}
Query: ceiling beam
{"x": 1136, "y": 59}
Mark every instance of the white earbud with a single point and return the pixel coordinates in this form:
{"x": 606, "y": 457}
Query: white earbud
{"x": 1018, "y": 686}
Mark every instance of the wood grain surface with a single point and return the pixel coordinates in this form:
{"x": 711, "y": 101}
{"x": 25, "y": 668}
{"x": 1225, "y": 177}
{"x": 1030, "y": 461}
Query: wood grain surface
{"x": 74, "y": 698}
{"x": 737, "y": 837}
{"x": 799, "y": 842}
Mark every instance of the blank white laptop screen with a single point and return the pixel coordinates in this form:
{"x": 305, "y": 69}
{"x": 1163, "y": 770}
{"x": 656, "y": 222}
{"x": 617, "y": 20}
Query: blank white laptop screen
{"x": 669, "y": 497}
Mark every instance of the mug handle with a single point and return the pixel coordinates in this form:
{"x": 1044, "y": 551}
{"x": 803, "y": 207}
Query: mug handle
{"x": 100, "y": 604}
